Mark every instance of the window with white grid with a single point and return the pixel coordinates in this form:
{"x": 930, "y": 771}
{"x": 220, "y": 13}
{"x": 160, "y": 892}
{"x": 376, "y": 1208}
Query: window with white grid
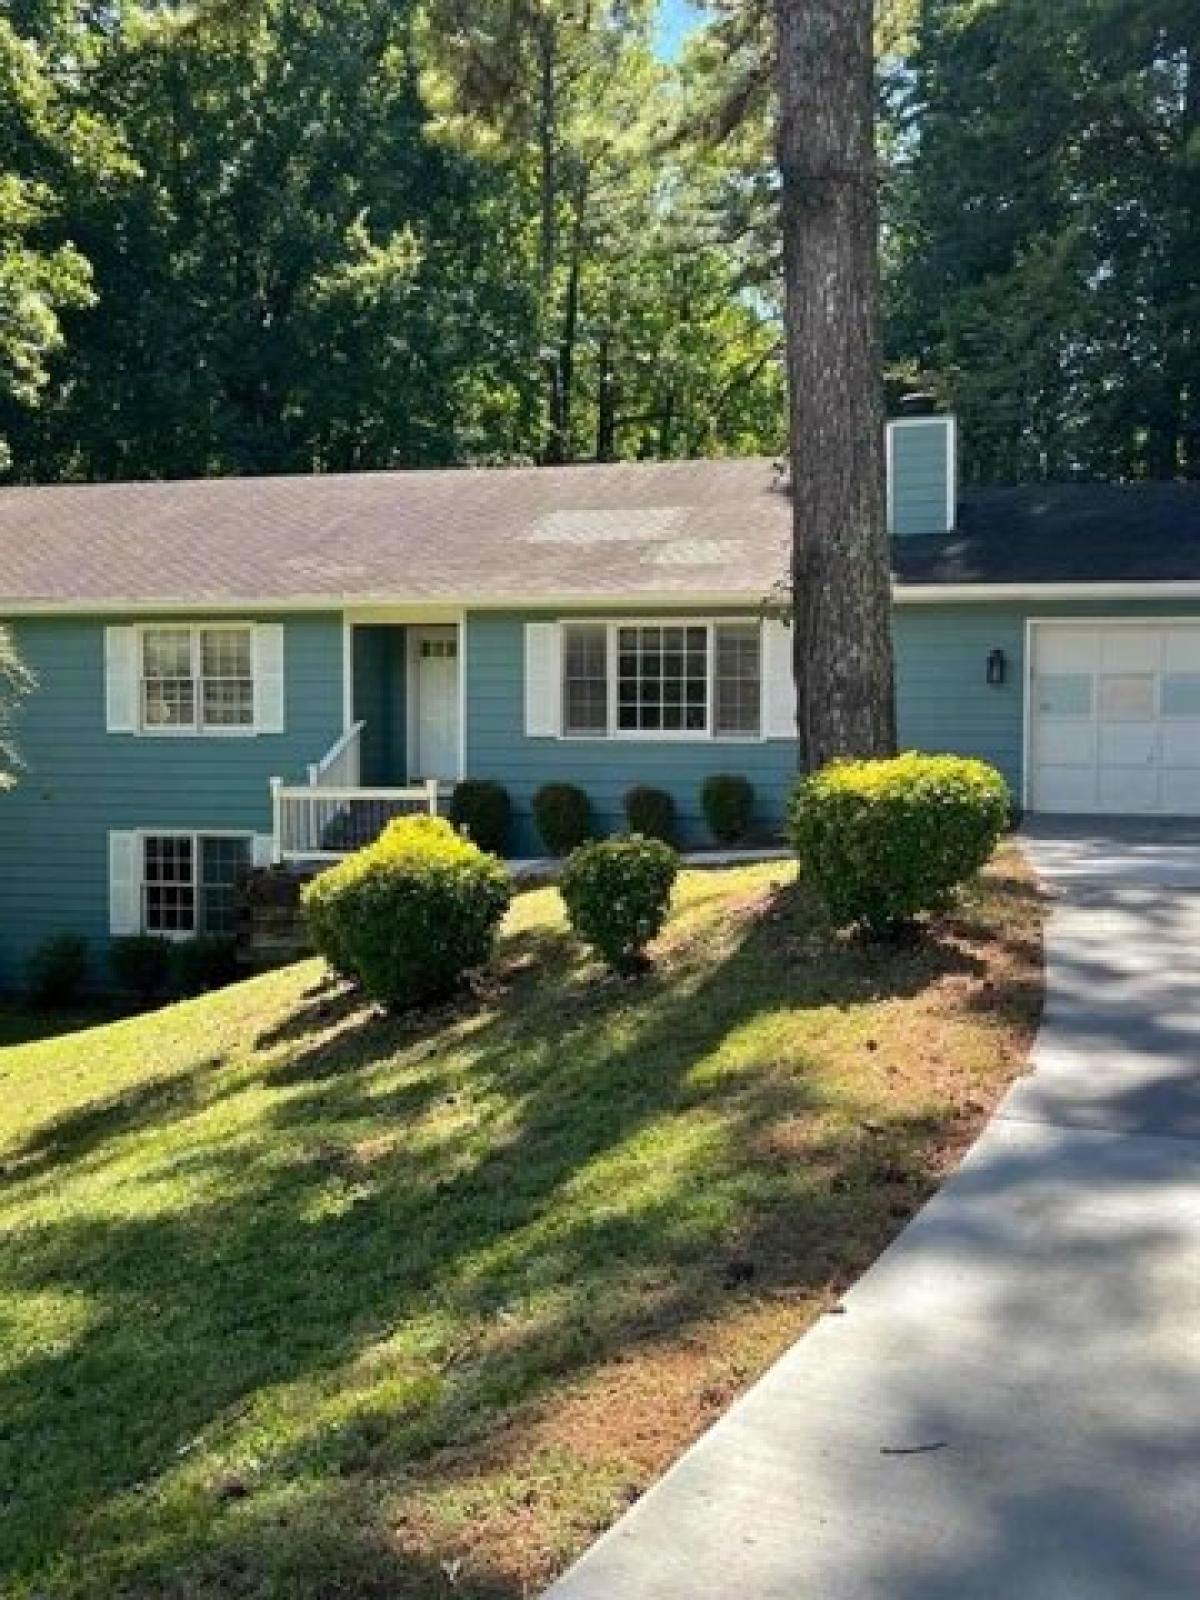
{"x": 190, "y": 882}
{"x": 198, "y": 678}
{"x": 662, "y": 679}
{"x": 585, "y": 678}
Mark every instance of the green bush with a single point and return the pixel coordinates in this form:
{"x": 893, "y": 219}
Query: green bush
{"x": 884, "y": 841}
{"x": 202, "y": 964}
{"x": 727, "y": 801}
{"x": 617, "y": 893}
{"x": 563, "y": 817}
{"x": 651, "y": 812}
{"x": 57, "y": 970}
{"x": 408, "y": 917}
{"x": 483, "y": 811}
{"x": 140, "y": 963}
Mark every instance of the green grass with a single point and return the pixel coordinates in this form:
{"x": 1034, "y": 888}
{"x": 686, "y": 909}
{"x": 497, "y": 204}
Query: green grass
{"x": 297, "y": 1301}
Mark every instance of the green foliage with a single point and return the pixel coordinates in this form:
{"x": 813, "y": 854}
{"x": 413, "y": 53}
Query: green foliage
{"x": 483, "y": 811}
{"x": 141, "y": 965}
{"x": 884, "y": 841}
{"x": 617, "y": 893}
{"x": 408, "y": 917}
{"x": 1043, "y": 232}
{"x": 650, "y": 812}
{"x": 57, "y": 971}
{"x": 563, "y": 816}
{"x": 727, "y": 800}
{"x": 202, "y": 964}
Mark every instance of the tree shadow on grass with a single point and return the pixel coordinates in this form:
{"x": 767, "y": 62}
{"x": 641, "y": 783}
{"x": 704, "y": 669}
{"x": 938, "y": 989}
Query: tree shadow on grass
{"x": 566, "y": 1168}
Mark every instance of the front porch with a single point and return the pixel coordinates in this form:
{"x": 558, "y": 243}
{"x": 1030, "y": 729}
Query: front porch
{"x": 401, "y": 753}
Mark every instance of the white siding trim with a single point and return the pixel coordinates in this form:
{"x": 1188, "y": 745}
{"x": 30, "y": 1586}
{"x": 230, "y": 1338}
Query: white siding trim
{"x": 122, "y": 680}
{"x": 543, "y": 680}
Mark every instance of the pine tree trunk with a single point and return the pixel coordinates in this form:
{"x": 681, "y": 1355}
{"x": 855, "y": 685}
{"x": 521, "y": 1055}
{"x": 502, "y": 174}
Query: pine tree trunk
{"x": 840, "y": 566}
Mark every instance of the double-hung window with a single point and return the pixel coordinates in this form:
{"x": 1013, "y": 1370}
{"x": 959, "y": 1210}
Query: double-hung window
{"x": 198, "y": 678}
{"x": 190, "y": 881}
{"x": 645, "y": 680}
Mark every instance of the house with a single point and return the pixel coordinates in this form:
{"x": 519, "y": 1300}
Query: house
{"x": 249, "y": 669}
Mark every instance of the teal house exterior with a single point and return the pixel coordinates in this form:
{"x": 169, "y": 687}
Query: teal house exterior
{"x": 252, "y": 671}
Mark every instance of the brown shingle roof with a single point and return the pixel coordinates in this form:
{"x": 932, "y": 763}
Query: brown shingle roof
{"x": 673, "y": 529}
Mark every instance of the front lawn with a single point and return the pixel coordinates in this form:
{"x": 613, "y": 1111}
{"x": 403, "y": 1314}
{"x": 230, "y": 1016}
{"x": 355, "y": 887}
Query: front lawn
{"x": 298, "y": 1302}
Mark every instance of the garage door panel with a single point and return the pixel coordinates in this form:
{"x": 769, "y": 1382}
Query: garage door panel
{"x": 1181, "y": 743}
{"x": 1068, "y": 650}
{"x": 1130, "y": 791}
{"x": 1181, "y": 649}
{"x": 1062, "y": 741}
{"x": 1131, "y": 649}
{"x": 1128, "y": 744}
{"x": 1181, "y": 791}
{"x": 1070, "y": 789}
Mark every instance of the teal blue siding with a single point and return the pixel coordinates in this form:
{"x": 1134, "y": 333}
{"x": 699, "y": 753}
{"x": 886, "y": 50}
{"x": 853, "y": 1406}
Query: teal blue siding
{"x": 79, "y": 781}
{"x": 380, "y": 677}
{"x": 920, "y": 465}
{"x": 943, "y": 699}
{"x": 496, "y": 747}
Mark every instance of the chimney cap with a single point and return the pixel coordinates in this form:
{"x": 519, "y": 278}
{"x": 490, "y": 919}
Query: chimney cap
{"x": 919, "y": 403}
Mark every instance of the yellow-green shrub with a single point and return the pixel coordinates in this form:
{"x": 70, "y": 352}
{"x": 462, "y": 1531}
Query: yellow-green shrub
{"x": 883, "y": 841}
{"x": 617, "y": 893}
{"x": 408, "y": 917}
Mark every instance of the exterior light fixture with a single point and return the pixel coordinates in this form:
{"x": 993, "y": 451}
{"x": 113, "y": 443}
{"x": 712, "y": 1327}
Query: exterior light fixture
{"x": 997, "y": 668}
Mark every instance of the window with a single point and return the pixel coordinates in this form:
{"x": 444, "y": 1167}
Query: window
{"x": 585, "y": 678}
{"x": 662, "y": 679}
{"x": 198, "y": 678}
{"x": 738, "y": 679}
{"x": 189, "y": 882}
{"x": 666, "y": 679}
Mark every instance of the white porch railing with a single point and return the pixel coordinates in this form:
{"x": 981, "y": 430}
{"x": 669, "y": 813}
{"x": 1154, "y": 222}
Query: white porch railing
{"x": 341, "y": 768}
{"x": 314, "y": 823}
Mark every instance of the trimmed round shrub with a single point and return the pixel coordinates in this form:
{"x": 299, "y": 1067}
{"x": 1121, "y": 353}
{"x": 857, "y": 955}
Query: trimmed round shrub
{"x": 408, "y": 917}
{"x": 57, "y": 970}
{"x": 563, "y": 817}
{"x": 884, "y": 841}
{"x": 650, "y": 812}
{"x": 202, "y": 964}
{"x": 141, "y": 964}
{"x": 727, "y": 800}
{"x": 617, "y": 893}
{"x": 483, "y": 811}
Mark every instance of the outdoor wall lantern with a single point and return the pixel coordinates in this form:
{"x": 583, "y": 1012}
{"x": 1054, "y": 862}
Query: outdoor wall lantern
{"x": 997, "y": 668}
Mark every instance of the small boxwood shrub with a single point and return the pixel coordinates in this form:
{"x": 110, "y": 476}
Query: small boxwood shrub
{"x": 617, "y": 893}
{"x": 727, "y": 801}
{"x": 202, "y": 964}
{"x": 563, "y": 817}
{"x": 483, "y": 811}
{"x": 650, "y": 812}
{"x": 141, "y": 964}
{"x": 884, "y": 841}
{"x": 57, "y": 970}
{"x": 408, "y": 917}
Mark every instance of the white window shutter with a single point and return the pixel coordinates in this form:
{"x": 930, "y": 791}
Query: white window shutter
{"x": 124, "y": 884}
{"x": 543, "y": 680}
{"x": 778, "y": 682}
{"x": 268, "y": 678}
{"x": 263, "y": 849}
{"x": 121, "y": 679}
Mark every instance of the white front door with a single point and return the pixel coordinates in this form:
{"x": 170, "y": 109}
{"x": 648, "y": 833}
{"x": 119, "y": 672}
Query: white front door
{"x": 1115, "y": 718}
{"x": 434, "y": 665}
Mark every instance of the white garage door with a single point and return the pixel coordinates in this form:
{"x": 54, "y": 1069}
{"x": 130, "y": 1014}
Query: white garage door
{"x": 1115, "y": 718}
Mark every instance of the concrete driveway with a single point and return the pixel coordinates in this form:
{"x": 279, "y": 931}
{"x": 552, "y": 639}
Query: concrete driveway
{"x": 1009, "y": 1406}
